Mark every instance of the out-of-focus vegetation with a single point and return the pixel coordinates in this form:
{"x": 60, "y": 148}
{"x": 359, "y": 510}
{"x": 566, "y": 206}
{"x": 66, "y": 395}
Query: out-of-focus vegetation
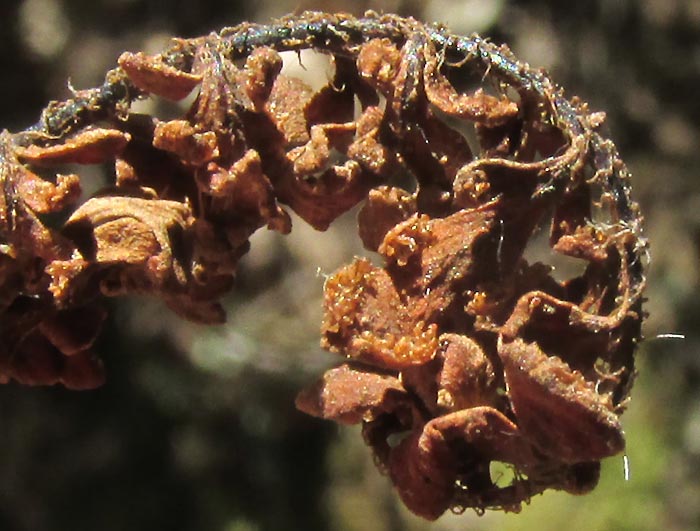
{"x": 196, "y": 429}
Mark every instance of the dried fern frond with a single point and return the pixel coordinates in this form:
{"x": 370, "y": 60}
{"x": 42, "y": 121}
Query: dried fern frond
{"x": 459, "y": 352}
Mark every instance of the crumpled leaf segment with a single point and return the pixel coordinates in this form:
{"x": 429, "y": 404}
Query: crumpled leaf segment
{"x": 463, "y": 358}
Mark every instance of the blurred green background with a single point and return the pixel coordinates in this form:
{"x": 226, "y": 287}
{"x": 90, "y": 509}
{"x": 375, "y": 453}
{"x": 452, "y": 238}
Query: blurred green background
{"x": 196, "y": 428}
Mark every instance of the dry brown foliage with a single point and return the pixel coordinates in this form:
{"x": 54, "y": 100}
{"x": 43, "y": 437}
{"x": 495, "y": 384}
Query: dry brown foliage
{"x": 459, "y": 352}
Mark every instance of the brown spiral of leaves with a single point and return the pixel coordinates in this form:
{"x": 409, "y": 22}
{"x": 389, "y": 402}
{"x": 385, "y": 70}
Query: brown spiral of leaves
{"x": 459, "y": 352}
